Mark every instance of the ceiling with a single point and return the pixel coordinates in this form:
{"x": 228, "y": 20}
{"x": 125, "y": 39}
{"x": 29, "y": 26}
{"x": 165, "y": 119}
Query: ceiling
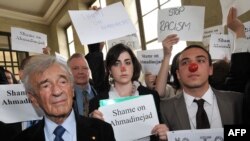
{"x": 37, "y": 11}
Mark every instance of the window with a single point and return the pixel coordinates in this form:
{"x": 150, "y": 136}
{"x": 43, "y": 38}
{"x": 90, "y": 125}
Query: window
{"x": 10, "y": 59}
{"x": 70, "y": 40}
{"x": 148, "y": 16}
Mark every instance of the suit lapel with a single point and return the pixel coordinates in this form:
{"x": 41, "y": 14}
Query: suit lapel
{"x": 38, "y": 131}
{"x": 223, "y": 105}
{"x": 181, "y": 111}
{"x": 84, "y": 130}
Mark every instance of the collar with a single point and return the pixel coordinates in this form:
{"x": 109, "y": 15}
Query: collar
{"x": 69, "y": 124}
{"x": 79, "y": 88}
{"x": 208, "y": 97}
{"x": 114, "y": 94}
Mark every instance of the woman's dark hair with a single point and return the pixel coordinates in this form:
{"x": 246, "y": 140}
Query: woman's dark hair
{"x": 3, "y": 78}
{"x": 12, "y": 76}
{"x": 113, "y": 54}
{"x": 174, "y": 67}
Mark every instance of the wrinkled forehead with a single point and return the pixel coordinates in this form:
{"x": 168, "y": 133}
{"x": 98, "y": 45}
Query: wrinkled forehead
{"x": 51, "y": 70}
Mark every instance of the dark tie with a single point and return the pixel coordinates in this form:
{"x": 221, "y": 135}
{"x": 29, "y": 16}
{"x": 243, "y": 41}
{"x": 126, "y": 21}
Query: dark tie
{"x": 59, "y": 133}
{"x": 85, "y": 104}
{"x": 201, "y": 115}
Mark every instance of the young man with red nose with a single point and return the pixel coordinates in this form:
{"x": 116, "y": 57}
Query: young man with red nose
{"x": 218, "y": 108}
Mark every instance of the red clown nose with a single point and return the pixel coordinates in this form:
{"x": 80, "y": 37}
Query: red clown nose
{"x": 123, "y": 68}
{"x": 193, "y": 67}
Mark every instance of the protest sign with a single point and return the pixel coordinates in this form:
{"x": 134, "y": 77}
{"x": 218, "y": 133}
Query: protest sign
{"x": 129, "y": 40}
{"x": 219, "y": 29}
{"x": 107, "y": 23}
{"x": 131, "y": 117}
{"x": 213, "y": 134}
{"x": 61, "y": 58}
{"x": 26, "y": 40}
{"x": 247, "y": 29}
{"x": 150, "y": 60}
{"x": 15, "y": 105}
{"x": 220, "y": 46}
{"x": 186, "y": 21}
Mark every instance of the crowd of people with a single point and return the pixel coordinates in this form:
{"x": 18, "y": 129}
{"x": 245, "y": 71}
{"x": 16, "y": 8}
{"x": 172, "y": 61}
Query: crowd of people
{"x": 70, "y": 98}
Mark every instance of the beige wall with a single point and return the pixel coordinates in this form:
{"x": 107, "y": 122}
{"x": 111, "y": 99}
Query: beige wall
{"x": 7, "y": 23}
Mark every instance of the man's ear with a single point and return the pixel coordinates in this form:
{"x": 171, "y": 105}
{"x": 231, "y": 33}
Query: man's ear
{"x": 33, "y": 99}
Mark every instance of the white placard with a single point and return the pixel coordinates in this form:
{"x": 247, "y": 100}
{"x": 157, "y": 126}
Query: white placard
{"x": 129, "y": 40}
{"x": 15, "y": 105}
{"x": 61, "y": 57}
{"x": 27, "y": 40}
{"x": 150, "y": 60}
{"x": 97, "y": 26}
{"x": 186, "y": 21}
{"x": 131, "y": 119}
{"x": 214, "y": 134}
{"x": 220, "y": 46}
{"x": 219, "y": 29}
{"x": 247, "y": 29}
{"x": 242, "y": 7}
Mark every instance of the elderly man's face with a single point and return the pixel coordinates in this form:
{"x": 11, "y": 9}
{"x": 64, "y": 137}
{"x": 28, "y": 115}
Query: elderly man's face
{"x": 53, "y": 91}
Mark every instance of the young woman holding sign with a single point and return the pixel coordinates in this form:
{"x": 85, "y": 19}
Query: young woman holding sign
{"x": 123, "y": 71}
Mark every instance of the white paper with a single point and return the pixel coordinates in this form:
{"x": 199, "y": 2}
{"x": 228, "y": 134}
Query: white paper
{"x": 141, "y": 108}
{"x": 129, "y": 40}
{"x": 61, "y": 57}
{"x": 220, "y": 46}
{"x": 27, "y": 40}
{"x": 187, "y": 22}
{"x": 15, "y": 105}
{"x": 219, "y": 29}
{"x": 247, "y": 29}
{"x": 97, "y": 26}
{"x": 242, "y": 7}
{"x": 150, "y": 60}
{"x": 197, "y": 135}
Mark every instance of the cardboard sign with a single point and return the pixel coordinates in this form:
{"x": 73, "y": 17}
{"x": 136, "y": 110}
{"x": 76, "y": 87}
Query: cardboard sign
{"x": 131, "y": 117}
{"x": 186, "y": 21}
{"x": 97, "y": 26}
{"x": 129, "y": 40}
{"x": 26, "y": 40}
{"x": 220, "y": 46}
{"x": 16, "y": 106}
{"x": 211, "y": 30}
{"x": 150, "y": 60}
{"x": 214, "y": 134}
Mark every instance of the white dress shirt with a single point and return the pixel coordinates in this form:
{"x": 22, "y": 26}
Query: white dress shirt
{"x": 210, "y": 106}
{"x": 69, "y": 124}
{"x": 241, "y": 45}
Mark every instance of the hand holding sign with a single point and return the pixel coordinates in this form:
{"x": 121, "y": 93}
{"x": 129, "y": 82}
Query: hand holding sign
{"x": 135, "y": 114}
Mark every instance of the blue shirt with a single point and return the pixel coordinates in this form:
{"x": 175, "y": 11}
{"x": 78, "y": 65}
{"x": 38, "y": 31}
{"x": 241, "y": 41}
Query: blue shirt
{"x": 80, "y": 98}
{"x": 69, "y": 124}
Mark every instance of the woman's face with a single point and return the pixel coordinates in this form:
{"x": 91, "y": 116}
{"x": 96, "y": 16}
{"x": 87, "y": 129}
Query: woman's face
{"x": 123, "y": 69}
{"x": 9, "y": 77}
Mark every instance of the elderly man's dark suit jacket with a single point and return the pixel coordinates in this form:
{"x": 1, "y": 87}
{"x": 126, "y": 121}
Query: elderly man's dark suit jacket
{"x": 175, "y": 113}
{"x": 87, "y": 128}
